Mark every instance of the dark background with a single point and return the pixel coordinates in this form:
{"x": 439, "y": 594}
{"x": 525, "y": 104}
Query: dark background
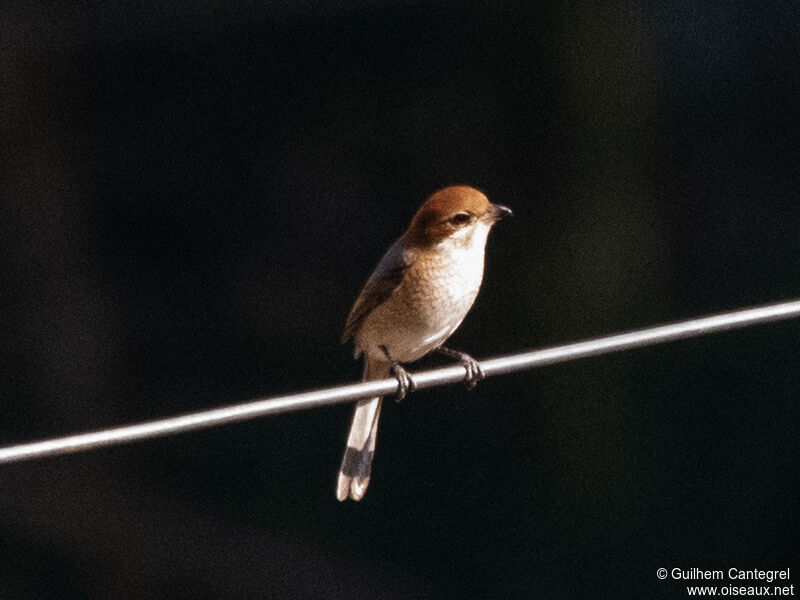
{"x": 194, "y": 192}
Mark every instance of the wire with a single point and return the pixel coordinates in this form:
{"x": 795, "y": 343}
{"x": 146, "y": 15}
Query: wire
{"x": 424, "y": 379}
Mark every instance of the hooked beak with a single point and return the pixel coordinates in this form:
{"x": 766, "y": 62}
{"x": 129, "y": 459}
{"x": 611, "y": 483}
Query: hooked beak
{"x": 498, "y": 211}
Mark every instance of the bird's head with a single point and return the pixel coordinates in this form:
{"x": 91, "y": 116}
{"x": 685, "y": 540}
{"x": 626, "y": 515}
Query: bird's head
{"x": 459, "y": 215}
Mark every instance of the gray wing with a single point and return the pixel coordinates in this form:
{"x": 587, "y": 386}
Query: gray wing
{"x": 380, "y": 285}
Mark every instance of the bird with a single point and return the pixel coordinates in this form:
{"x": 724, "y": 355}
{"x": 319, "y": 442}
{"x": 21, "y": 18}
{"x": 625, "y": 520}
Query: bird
{"x": 414, "y": 300}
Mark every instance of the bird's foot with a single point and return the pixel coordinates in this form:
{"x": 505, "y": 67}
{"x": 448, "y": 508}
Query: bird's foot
{"x": 405, "y": 384}
{"x": 474, "y": 372}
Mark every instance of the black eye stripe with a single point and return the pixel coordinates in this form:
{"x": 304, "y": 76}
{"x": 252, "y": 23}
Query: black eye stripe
{"x": 460, "y": 218}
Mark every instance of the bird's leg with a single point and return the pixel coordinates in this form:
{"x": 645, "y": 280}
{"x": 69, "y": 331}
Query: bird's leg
{"x": 405, "y": 385}
{"x": 474, "y": 372}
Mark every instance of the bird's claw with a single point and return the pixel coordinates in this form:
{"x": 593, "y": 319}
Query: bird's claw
{"x": 405, "y": 385}
{"x": 474, "y": 371}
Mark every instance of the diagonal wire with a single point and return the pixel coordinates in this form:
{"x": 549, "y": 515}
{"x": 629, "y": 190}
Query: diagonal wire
{"x": 425, "y": 379}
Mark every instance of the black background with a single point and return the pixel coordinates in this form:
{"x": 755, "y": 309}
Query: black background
{"x": 194, "y": 192}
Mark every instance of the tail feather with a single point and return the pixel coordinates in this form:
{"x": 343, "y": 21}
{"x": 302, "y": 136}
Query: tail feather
{"x": 356, "y": 466}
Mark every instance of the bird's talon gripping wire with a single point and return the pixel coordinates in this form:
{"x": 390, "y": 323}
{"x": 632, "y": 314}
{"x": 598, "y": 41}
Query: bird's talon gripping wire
{"x": 474, "y": 371}
{"x": 405, "y": 384}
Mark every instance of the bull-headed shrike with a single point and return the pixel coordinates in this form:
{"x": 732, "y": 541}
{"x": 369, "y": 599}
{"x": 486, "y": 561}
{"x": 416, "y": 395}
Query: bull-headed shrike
{"x": 415, "y": 299}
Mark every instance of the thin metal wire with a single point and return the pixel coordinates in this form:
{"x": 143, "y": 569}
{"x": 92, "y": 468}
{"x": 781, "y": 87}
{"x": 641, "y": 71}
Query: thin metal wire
{"x": 424, "y": 379}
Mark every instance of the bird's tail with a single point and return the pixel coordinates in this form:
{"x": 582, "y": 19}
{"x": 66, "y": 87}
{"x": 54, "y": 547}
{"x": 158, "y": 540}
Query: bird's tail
{"x": 357, "y": 462}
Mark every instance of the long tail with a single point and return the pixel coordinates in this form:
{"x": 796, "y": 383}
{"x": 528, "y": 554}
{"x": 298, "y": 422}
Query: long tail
{"x": 357, "y": 462}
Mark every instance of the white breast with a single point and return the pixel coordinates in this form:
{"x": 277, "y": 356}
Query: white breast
{"x": 434, "y": 297}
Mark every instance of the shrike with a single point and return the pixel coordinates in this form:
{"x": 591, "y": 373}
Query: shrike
{"x": 415, "y": 299}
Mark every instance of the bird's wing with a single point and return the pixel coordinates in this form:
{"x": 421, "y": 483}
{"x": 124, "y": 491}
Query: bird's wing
{"x": 381, "y": 284}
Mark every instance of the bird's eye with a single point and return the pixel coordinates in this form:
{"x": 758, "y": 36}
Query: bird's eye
{"x": 460, "y": 219}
